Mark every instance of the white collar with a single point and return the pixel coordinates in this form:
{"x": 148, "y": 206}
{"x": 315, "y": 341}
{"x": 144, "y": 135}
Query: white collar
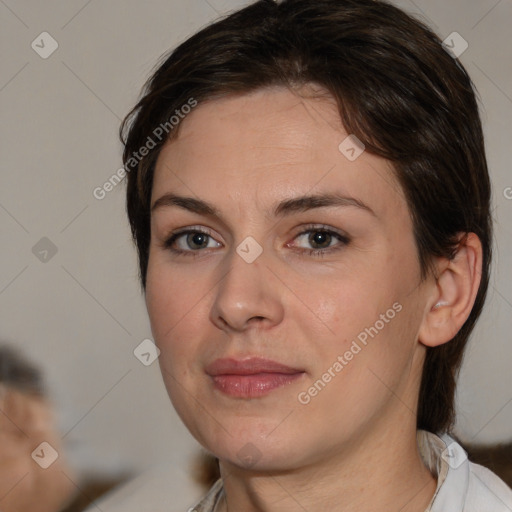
{"x": 447, "y": 461}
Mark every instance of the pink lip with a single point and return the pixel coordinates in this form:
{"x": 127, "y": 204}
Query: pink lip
{"x": 250, "y": 378}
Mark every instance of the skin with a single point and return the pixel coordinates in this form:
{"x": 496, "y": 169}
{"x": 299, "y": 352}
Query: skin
{"x": 353, "y": 446}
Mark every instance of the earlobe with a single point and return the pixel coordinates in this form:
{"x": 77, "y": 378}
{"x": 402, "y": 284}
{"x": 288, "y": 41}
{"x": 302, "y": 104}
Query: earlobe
{"x": 453, "y": 293}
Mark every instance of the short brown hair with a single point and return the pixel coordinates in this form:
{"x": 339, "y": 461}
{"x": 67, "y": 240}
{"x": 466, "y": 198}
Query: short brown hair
{"x": 398, "y": 90}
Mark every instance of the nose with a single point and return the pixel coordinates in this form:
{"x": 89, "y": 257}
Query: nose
{"x": 248, "y": 295}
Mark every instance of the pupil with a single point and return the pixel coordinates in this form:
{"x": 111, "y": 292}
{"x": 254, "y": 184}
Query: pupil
{"x": 197, "y": 239}
{"x": 320, "y": 238}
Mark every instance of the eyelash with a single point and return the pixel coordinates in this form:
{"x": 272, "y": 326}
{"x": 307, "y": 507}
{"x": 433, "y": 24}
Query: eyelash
{"x": 319, "y": 253}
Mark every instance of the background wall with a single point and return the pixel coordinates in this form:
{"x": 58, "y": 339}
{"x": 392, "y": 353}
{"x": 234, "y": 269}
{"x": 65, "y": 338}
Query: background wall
{"x": 69, "y": 294}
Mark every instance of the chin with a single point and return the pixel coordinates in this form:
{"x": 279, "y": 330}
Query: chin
{"x": 254, "y": 451}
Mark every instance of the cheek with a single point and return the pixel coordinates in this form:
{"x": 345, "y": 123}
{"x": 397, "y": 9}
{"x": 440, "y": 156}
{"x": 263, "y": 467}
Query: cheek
{"x": 348, "y": 300}
{"x": 364, "y": 312}
{"x": 176, "y": 306}
{"x": 167, "y": 296}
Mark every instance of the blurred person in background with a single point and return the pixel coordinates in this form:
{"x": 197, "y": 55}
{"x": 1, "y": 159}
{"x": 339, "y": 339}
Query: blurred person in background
{"x": 26, "y": 421}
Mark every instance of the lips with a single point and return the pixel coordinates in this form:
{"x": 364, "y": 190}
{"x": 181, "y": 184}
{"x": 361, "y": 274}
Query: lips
{"x": 249, "y": 366}
{"x": 250, "y": 378}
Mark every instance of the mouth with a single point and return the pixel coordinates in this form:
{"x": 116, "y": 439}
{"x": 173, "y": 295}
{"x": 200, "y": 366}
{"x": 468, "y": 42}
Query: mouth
{"x": 250, "y": 378}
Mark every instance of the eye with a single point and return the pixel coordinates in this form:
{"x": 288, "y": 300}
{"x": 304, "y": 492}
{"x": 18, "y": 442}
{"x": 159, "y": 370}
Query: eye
{"x": 322, "y": 239}
{"x": 190, "y": 240}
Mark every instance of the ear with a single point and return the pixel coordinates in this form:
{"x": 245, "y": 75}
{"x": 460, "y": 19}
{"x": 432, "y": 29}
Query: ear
{"x": 453, "y": 294}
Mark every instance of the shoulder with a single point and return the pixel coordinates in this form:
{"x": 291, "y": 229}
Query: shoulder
{"x": 486, "y": 491}
{"x": 467, "y": 487}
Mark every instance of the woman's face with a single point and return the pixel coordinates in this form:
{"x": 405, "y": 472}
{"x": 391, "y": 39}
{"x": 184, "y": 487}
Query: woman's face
{"x": 294, "y": 249}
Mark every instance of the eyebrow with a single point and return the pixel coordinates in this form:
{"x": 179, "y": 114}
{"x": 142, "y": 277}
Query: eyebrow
{"x": 286, "y": 207}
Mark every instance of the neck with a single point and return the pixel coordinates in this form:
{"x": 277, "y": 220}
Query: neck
{"x": 377, "y": 471}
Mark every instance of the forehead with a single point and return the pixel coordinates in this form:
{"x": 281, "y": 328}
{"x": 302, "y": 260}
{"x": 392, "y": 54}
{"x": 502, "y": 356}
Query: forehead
{"x": 270, "y": 144}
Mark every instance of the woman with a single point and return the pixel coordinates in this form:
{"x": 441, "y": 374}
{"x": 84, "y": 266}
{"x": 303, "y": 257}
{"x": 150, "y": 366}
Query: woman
{"x": 309, "y": 197}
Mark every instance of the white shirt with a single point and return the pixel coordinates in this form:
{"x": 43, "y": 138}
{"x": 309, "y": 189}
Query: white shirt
{"x": 462, "y": 486}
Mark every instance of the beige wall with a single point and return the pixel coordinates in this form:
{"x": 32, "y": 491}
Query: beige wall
{"x": 80, "y": 314}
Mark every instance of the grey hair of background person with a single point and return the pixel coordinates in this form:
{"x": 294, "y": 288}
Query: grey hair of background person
{"x": 18, "y": 373}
